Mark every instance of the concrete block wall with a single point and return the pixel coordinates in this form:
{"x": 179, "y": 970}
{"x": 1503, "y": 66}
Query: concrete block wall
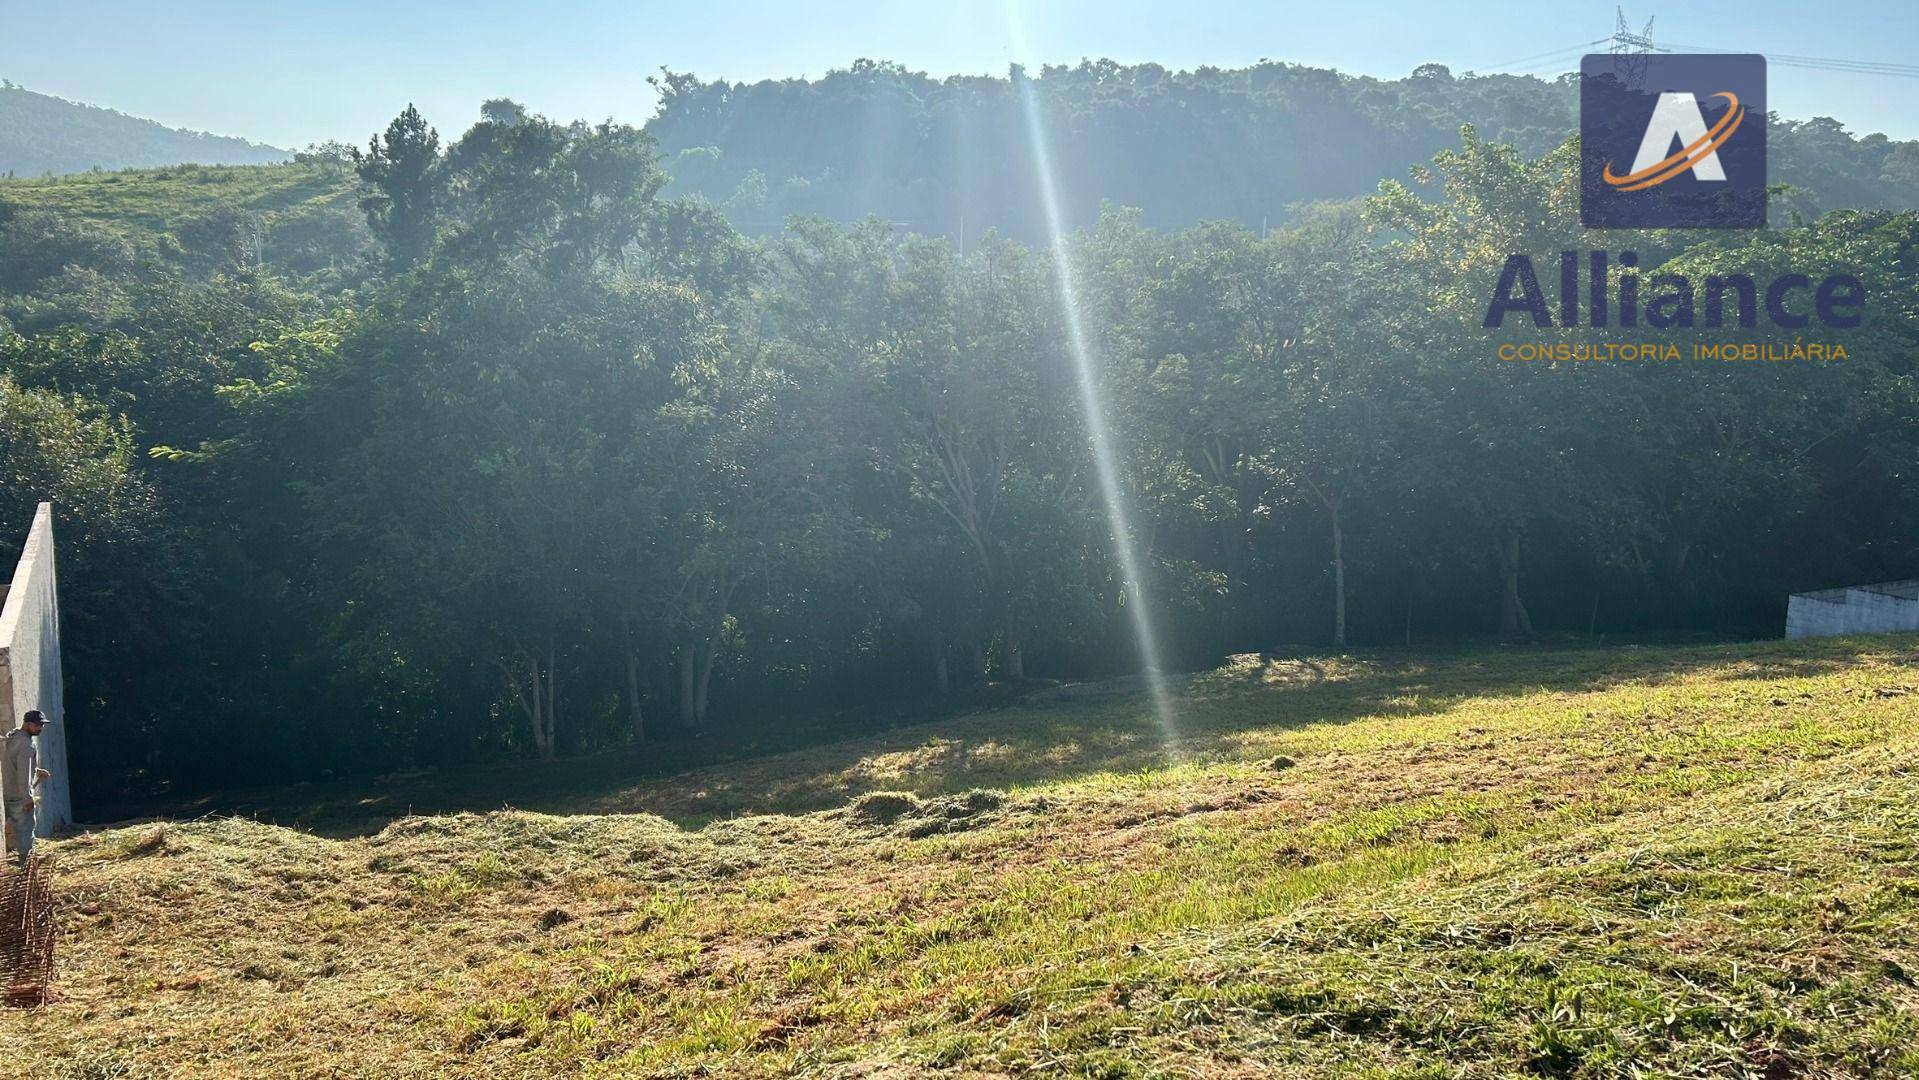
{"x": 1886, "y": 608}
{"x": 30, "y": 665}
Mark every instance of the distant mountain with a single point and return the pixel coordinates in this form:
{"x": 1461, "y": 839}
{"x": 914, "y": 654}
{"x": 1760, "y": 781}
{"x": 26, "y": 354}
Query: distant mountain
{"x": 41, "y": 134}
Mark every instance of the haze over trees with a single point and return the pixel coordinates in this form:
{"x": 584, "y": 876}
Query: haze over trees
{"x": 951, "y": 156}
{"x": 42, "y": 134}
{"x": 467, "y": 446}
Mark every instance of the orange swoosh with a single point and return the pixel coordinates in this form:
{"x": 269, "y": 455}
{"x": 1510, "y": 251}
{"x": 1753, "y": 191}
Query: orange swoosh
{"x": 1686, "y": 157}
{"x": 1690, "y": 161}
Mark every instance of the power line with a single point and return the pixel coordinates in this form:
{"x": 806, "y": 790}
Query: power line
{"x": 1542, "y": 55}
{"x": 1825, "y": 63}
{"x": 1843, "y": 70}
{"x": 1906, "y": 69}
{"x": 1549, "y": 67}
{"x": 1628, "y": 44}
{"x": 1795, "y": 56}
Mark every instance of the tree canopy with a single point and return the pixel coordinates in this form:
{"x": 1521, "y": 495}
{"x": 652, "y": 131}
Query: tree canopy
{"x": 522, "y": 449}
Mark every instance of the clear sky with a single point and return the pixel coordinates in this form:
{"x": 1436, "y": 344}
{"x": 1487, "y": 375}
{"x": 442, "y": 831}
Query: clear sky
{"x": 291, "y": 72}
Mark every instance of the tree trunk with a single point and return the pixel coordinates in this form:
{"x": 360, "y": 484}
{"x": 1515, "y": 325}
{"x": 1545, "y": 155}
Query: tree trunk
{"x": 1015, "y": 656}
{"x": 552, "y": 701}
{"x": 635, "y": 719}
{"x": 531, "y": 692}
{"x": 705, "y": 681}
{"x": 1339, "y": 580}
{"x": 979, "y": 661}
{"x": 1674, "y": 556}
{"x": 1670, "y": 563}
{"x": 536, "y": 714}
{"x": 1513, "y": 620}
{"x": 1232, "y": 550}
{"x": 942, "y": 673}
{"x": 687, "y": 658}
{"x": 656, "y": 683}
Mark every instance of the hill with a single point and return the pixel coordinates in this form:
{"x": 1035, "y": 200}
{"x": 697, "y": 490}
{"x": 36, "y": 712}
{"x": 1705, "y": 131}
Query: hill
{"x": 42, "y": 134}
{"x": 295, "y": 218}
{"x": 954, "y": 156}
{"x": 138, "y": 202}
{"x": 1602, "y": 861}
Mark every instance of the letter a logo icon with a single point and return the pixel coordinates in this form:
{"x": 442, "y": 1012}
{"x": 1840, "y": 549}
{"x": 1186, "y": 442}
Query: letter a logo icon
{"x": 1677, "y": 116}
{"x": 1693, "y": 128}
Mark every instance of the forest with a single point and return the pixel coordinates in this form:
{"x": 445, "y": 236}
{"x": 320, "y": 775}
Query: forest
{"x": 516, "y": 442}
{"x": 951, "y": 156}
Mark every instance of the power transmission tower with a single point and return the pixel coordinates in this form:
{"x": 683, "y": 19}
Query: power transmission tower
{"x": 1629, "y": 49}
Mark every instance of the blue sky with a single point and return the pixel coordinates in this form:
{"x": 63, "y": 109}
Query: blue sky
{"x": 294, "y": 72}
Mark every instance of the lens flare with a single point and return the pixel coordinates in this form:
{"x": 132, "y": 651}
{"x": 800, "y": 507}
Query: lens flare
{"x": 1091, "y": 403}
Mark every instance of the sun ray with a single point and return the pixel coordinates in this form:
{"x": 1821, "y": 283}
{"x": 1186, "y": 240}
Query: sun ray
{"x": 1091, "y": 402}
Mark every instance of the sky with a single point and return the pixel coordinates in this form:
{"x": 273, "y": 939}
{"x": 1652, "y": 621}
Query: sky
{"x": 294, "y": 72}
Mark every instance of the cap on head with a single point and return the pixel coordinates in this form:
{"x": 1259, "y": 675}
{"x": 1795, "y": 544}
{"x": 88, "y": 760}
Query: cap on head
{"x": 34, "y": 716}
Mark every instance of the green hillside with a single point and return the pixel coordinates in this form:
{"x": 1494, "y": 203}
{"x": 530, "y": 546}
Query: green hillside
{"x": 42, "y": 134}
{"x": 1627, "y": 861}
{"x": 296, "y": 218}
{"x": 152, "y": 200}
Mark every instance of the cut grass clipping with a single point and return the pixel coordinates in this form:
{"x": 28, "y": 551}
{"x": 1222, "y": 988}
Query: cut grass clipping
{"x": 1667, "y": 861}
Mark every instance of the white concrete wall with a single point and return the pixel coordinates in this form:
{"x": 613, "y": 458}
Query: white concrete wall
{"x": 1870, "y": 609}
{"x": 30, "y": 665}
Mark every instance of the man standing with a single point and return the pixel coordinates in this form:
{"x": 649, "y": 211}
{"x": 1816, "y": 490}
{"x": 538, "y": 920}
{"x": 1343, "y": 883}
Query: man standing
{"x": 19, "y": 775}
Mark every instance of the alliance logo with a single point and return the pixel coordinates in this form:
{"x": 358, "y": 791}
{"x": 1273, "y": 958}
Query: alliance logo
{"x": 1677, "y": 116}
{"x": 1693, "y": 128}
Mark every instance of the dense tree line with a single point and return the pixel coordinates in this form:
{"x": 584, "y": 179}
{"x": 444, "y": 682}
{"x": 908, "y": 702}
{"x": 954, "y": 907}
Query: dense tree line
{"x": 951, "y": 156}
{"x": 567, "y": 463}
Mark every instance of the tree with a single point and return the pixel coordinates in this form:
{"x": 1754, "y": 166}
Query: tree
{"x": 401, "y": 167}
{"x": 1495, "y": 444}
{"x": 120, "y": 571}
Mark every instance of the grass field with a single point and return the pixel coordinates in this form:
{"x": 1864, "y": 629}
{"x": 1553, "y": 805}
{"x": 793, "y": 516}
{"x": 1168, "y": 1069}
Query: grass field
{"x": 1627, "y": 861}
{"x": 134, "y": 201}
{"x": 309, "y": 215}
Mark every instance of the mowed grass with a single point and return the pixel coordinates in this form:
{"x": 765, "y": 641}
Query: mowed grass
{"x": 1654, "y": 861}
